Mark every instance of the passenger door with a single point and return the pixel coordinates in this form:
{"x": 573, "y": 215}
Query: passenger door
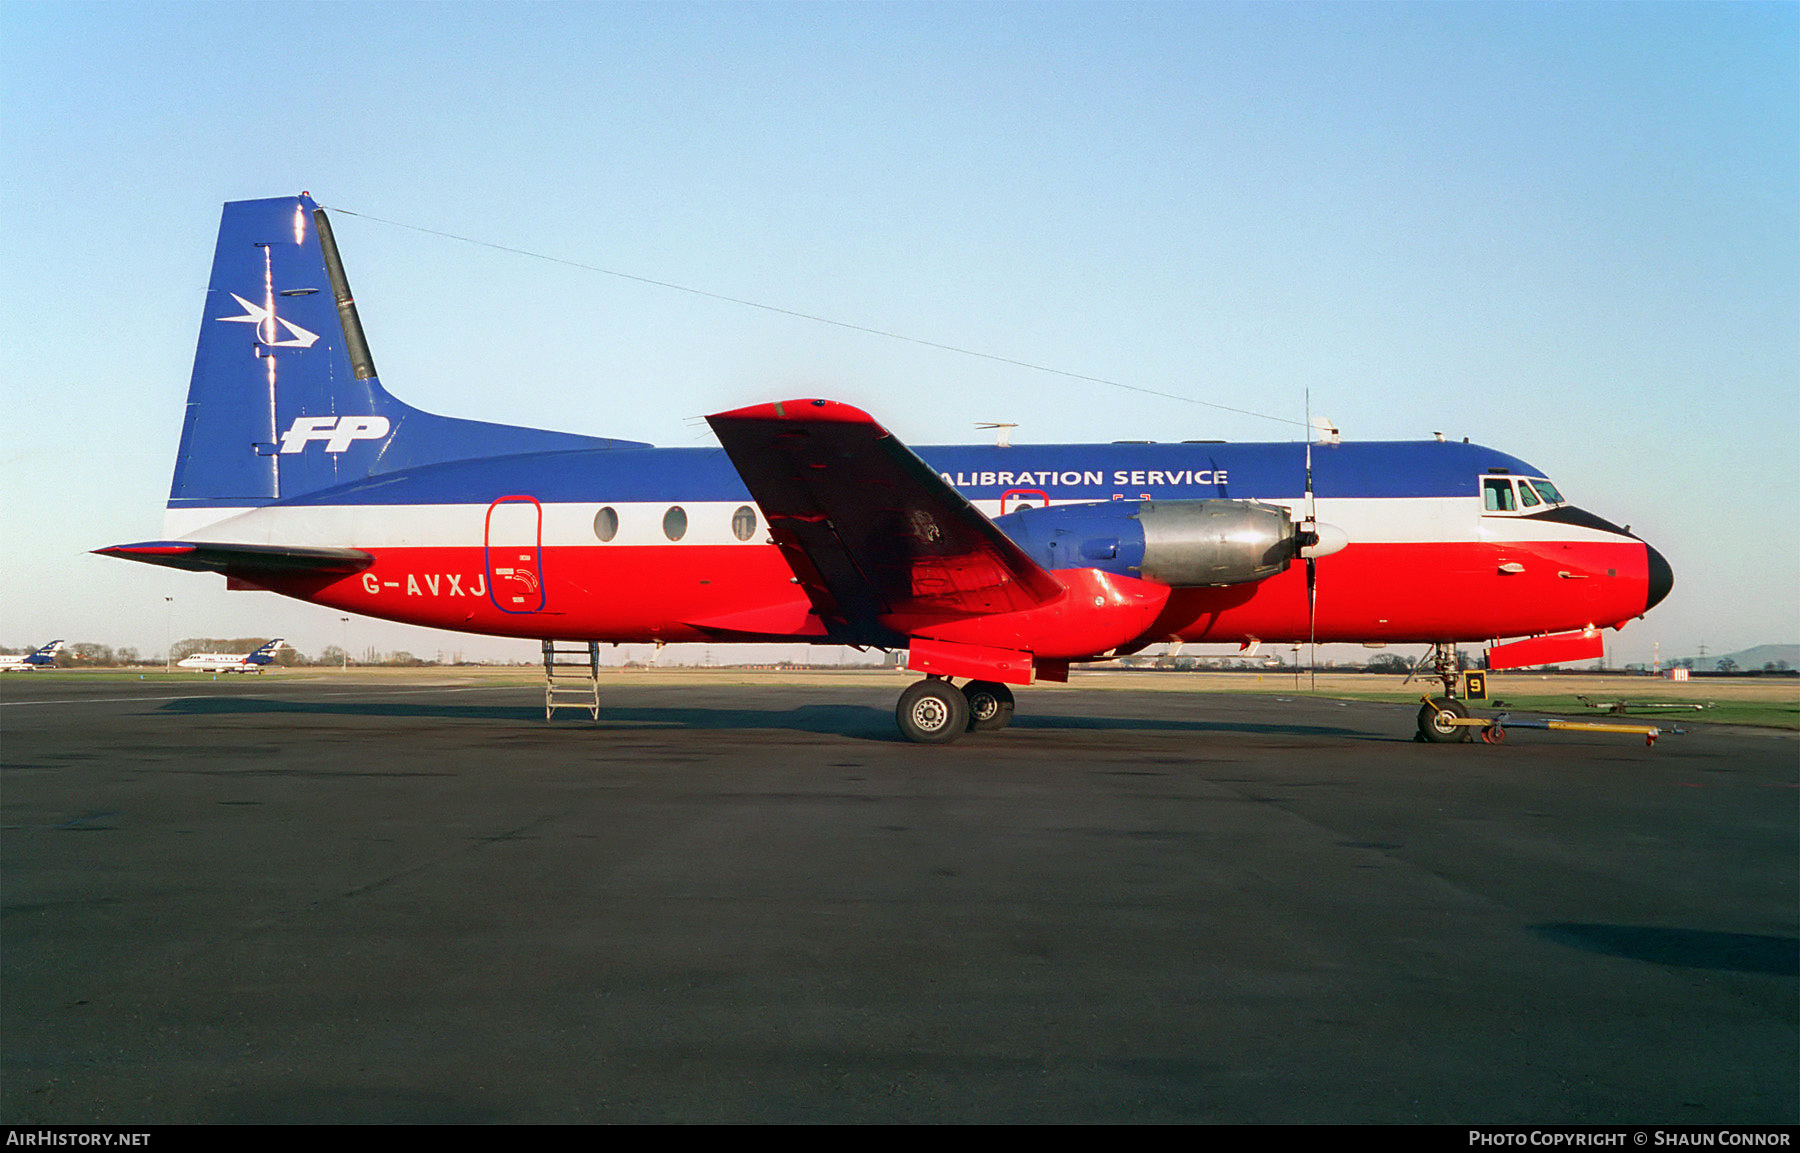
{"x": 512, "y": 549}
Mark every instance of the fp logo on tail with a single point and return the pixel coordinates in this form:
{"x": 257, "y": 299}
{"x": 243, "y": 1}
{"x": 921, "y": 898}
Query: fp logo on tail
{"x": 336, "y": 431}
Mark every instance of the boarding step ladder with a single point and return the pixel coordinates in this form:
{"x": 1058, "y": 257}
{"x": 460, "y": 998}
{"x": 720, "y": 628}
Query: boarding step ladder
{"x": 571, "y": 677}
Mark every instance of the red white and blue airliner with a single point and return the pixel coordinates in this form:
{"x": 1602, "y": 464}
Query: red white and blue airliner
{"x": 992, "y": 565}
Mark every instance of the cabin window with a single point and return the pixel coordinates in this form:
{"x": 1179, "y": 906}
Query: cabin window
{"x": 1497, "y": 494}
{"x": 675, "y": 523}
{"x": 606, "y": 523}
{"x": 743, "y": 522}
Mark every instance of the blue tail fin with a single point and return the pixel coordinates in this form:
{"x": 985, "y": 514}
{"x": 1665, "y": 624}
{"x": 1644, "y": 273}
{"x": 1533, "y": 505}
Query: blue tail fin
{"x": 284, "y": 399}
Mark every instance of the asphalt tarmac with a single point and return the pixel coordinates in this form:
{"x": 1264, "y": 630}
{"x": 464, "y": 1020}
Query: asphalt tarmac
{"x": 412, "y": 900}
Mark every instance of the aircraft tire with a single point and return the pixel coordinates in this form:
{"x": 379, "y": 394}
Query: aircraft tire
{"x": 932, "y": 712}
{"x": 1439, "y": 734}
{"x": 990, "y": 706}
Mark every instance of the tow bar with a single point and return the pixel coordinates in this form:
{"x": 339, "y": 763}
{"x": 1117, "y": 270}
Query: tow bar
{"x": 1493, "y": 730}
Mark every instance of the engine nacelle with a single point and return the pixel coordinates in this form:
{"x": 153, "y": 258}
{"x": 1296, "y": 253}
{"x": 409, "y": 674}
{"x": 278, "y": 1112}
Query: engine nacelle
{"x": 1180, "y": 543}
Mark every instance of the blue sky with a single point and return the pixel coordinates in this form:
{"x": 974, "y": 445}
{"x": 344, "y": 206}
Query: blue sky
{"x": 1570, "y": 231}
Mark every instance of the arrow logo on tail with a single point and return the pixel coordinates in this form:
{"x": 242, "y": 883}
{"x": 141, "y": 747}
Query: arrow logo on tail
{"x": 257, "y": 314}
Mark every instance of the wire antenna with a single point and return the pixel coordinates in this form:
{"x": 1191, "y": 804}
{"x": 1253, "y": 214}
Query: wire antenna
{"x": 815, "y": 318}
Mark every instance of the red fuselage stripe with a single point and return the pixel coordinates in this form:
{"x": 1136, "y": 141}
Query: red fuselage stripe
{"x": 1414, "y": 592}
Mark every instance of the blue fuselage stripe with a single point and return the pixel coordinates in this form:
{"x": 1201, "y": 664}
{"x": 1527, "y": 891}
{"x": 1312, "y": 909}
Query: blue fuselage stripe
{"x": 1374, "y": 469}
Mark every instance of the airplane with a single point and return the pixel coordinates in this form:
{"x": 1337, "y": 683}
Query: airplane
{"x": 990, "y": 565}
{"x": 43, "y": 658}
{"x": 232, "y": 662}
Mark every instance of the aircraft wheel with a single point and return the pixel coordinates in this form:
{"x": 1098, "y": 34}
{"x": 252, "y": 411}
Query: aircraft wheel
{"x": 932, "y": 712}
{"x": 990, "y": 705}
{"x": 1434, "y": 730}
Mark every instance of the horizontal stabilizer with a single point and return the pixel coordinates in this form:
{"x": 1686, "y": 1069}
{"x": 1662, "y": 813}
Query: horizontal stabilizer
{"x": 245, "y": 561}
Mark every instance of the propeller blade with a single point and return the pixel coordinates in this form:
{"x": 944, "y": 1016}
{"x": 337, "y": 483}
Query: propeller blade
{"x": 1312, "y": 617}
{"x": 1312, "y": 563}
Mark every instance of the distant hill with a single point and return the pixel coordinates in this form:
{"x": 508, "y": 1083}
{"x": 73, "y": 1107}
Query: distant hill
{"x": 1752, "y": 659}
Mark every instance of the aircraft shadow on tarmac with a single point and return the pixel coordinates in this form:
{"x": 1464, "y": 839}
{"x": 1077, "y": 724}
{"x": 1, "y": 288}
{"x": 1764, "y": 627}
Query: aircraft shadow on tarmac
{"x": 1683, "y": 948}
{"x": 859, "y": 722}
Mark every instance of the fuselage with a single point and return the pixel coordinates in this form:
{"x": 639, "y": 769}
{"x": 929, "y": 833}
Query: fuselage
{"x": 635, "y": 544}
{"x": 250, "y": 662}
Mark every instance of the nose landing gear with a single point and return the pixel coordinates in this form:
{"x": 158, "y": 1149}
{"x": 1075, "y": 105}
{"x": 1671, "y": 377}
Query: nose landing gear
{"x": 1438, "y": 721}
{"x": 1444, "y": 720}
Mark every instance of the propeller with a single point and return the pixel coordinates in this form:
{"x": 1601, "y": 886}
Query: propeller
{"x": 1310, "y": 526}
{"x": 1310, "y": 539}
{"x": 1307, "y": 538}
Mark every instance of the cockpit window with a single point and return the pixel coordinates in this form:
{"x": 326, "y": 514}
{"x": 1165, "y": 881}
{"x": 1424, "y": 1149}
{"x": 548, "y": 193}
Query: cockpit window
{"x": 1501, "y": 495}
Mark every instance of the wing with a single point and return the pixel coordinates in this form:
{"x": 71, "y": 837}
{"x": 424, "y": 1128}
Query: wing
{"x": 869, "y": 529}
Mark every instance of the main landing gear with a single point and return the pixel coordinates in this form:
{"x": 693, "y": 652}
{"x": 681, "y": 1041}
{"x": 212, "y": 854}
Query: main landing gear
{"x": 935, "y": 712}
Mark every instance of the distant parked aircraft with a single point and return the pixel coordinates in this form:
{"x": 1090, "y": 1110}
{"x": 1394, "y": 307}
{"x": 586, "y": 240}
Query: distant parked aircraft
{"x": 232, "y": 662}
{"x": 41, "y": 659}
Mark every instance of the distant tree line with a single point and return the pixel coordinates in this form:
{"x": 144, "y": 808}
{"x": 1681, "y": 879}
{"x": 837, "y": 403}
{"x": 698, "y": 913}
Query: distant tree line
{"x": 91, "y": 655}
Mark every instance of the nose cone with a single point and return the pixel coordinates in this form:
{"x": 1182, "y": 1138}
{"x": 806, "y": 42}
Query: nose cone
{"x": 1662, "y": 579}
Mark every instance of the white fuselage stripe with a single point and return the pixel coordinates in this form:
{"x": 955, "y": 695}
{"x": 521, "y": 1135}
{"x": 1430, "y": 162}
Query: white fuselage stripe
{"x": 1399, "y": 520}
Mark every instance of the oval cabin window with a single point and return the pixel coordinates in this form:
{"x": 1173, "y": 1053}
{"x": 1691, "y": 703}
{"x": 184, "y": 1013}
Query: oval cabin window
{"x": 675, "y": 523}
{"x": 743, "y": 522}
{"x": 606, "y": 524}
